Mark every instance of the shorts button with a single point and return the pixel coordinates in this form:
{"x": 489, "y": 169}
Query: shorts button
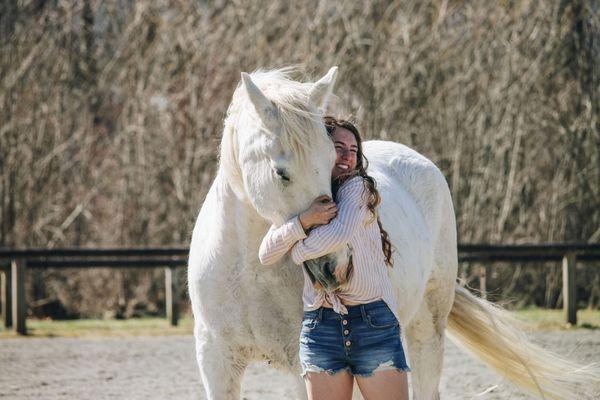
{"x": 346, "y": 332}
{"x": 344, "y": 322}
{"x": 348, "y": 343}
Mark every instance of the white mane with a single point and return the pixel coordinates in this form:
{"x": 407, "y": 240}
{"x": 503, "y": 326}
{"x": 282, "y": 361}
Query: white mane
{"x": 300, "y": 121}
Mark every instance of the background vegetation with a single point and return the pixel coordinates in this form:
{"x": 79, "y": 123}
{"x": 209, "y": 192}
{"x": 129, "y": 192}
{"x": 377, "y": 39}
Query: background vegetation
{"x": 111, "y": 114}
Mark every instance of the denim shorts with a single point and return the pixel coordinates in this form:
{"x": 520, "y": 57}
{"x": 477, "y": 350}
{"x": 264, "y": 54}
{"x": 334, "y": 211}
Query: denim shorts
{"x": 364, "y": 341}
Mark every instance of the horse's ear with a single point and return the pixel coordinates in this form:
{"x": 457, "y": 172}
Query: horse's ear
{"x": 264, "y": 107}
{"x": 321, "y": 90}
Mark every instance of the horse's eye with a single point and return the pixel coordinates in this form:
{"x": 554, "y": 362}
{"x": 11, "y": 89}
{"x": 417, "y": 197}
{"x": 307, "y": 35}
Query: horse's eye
{"x": 283, "y": 175}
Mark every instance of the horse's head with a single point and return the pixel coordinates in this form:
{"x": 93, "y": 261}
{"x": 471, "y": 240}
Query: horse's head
{"x": 276, "y": 153}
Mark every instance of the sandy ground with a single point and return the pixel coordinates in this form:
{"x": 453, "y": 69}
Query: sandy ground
{"x": 165, "y": 368}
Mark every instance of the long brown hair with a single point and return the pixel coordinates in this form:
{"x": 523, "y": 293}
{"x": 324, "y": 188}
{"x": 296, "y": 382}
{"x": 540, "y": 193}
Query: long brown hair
{"x": 362, "y": 163}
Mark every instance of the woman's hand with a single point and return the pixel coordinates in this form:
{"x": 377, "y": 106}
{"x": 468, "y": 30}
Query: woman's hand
{"x": 321, "y": 211}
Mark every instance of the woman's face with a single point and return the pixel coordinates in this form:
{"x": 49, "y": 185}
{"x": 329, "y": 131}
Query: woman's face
{"x": 346, "y": 150}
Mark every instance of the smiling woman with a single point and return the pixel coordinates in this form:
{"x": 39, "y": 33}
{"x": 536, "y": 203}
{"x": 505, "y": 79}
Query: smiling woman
{"x": 350, "y": 160}
{"x": 351, "y": 303}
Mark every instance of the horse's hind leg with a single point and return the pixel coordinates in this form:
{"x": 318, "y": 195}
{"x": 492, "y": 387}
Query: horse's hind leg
{"x": 425, "y": 346}
{"x": 220, "y": 367}
{"x": 426, "y": 333}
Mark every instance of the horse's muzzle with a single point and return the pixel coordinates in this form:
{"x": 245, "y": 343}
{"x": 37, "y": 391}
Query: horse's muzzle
{"x": 326, "y": 272}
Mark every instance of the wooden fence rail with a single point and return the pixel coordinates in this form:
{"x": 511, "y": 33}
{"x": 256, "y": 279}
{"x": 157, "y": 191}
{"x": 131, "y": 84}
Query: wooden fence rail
{"x": 12, "y": 276}
{"x": 17, "y": 262}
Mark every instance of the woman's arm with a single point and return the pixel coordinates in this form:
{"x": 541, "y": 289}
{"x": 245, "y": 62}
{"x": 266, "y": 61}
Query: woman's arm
{"x": 279, "y": 240}
{"x": 352, "y": 211}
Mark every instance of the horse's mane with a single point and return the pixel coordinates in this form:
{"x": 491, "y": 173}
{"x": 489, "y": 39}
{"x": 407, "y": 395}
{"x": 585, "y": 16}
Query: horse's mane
{"x": 297, "y": 116}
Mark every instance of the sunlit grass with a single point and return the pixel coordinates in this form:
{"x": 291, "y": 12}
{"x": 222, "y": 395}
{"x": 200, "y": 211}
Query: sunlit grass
{"x": 543, "y": 319}
{"x": 103, "y": 327}
{"x": 534, "y": 318}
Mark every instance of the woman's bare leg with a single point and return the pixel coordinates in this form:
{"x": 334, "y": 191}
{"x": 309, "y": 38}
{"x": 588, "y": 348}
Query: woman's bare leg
{"x": 384, "y": 385}
{"x": 323, "y": 386}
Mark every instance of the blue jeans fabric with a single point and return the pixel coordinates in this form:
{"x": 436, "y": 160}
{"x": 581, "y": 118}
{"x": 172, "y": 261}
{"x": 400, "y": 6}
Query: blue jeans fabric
{"x": 364, "y": 340}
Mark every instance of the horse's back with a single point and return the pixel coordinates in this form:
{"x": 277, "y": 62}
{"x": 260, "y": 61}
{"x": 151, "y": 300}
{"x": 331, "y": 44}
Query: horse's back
{"x": 398, "y": 166}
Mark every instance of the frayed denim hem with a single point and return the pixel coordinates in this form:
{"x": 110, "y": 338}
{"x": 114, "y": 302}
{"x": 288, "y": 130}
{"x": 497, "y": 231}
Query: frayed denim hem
{"x": 383, "y": 367}
{"x": 391, "y": 368}
{"x": 313, "y": 368}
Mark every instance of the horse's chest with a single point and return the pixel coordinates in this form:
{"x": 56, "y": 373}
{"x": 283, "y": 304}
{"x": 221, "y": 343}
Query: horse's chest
{"x": 244, "y": 287}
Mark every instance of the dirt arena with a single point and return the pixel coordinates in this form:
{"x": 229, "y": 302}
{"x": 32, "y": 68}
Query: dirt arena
{"x": 165, "y": 368}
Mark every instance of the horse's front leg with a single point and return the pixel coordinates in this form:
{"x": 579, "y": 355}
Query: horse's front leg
{"x": 300, "y": 388}
{"x": 221, "y": 368}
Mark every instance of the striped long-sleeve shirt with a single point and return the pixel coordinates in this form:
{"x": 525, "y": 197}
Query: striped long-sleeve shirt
{"x": 354, "y": 225}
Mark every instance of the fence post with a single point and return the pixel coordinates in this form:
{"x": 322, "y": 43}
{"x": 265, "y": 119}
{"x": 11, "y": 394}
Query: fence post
{"x": 6, "y": 297}
{"x": 171, "y": 295}
{"x": 482, "y": 281}
{"x": 19, "y": 307}
{"x": 569, "y": 289}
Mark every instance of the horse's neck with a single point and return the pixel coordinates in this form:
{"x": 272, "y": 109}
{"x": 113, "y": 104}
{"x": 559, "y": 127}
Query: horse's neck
{"x": 242, "y": 223}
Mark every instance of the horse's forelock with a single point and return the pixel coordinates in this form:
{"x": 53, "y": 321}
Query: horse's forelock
{"x": 297, "y": 116}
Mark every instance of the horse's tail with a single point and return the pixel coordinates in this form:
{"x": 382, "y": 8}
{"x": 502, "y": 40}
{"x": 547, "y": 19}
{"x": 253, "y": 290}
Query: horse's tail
{"x": 492, "y": 335}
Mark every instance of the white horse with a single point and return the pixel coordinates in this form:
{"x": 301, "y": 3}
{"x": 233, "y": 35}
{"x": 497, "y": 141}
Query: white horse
{"x": 275, "y": 159}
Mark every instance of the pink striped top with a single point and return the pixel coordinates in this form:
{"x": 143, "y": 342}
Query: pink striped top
{"x": 355, "y": 226}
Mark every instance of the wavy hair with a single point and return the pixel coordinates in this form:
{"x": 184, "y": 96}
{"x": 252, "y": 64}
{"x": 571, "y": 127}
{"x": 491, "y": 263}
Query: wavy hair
{"x": 374, "y": 199}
